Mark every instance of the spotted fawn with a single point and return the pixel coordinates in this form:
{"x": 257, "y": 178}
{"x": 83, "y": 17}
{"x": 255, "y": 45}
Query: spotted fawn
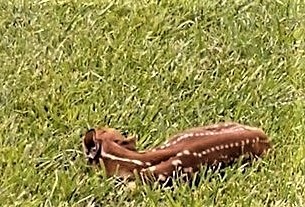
{"x": 183, "y": 153}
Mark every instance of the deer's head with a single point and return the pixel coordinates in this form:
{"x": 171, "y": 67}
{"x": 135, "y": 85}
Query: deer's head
{"x": 95, "y": 138}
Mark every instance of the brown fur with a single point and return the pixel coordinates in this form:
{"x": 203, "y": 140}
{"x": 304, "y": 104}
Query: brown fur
{"x": 222, "y": 143}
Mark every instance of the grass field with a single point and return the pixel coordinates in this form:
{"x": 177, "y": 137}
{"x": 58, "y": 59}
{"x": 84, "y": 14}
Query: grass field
{"x": 151, "y": 68}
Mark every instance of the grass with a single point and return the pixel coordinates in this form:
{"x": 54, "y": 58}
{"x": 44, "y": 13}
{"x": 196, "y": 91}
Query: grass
{"x": 151, "y": 68}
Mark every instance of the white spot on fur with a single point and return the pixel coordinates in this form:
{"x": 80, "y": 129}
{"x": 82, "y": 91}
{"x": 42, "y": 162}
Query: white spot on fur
{"x": 242, "y": 142}
{"x": 212, "y": 149}
{"x": 179, "y": 154}
{"x": 199, "y": 154}
{"x": 204, "y": 152}
{"x": 253, "y": 141}
{"x": 137, "y": 162}
{"x": 185, "y": 136}
{"x": 264, "y": 141}
{"x": 236, "y": 144}
{"x": 224, "y": 156}
{"x": 176, "y": 162}
{"x": 148, "y": 163}
{"x": 217, "y": 147}
{"x": 208, "y": 150}
{"x": 231, "y": 145}
{"x": 195, "y": 154}
{"x": 221, "y": 146}
{"x": 257, "y": 138}
{"x": 227, "y": 146}
{"x": 186, "y": 152}
{"x": 247, "y": 141}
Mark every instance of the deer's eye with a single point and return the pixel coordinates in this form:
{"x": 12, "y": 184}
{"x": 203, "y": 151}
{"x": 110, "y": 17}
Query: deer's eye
{"x": 93, "y": 149}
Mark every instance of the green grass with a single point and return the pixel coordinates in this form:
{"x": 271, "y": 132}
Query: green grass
{"x": 152, "y": 68}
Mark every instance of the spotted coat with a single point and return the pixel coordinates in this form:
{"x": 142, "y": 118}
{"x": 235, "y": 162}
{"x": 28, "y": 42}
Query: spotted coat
{"x": 184, "y": 152}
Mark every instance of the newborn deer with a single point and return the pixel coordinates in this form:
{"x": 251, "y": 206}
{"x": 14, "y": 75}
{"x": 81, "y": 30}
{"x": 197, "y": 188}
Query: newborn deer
{"x": 183, "y": 153}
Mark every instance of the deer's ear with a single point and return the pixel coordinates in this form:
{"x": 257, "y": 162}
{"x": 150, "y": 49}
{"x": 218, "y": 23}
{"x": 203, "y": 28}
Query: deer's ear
{"x": 90, "y": 136}
{"x": 128, "y": 143}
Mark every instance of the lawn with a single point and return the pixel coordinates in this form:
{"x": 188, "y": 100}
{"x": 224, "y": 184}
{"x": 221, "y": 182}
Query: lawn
{"x": 151, "y": 68}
